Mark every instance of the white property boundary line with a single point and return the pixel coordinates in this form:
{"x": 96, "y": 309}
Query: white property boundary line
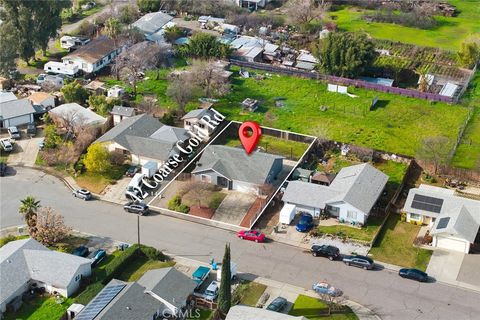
{"x": 159, "y": 193}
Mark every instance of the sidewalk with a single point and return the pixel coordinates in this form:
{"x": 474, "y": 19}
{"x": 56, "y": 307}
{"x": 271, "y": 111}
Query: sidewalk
{"x": 362, "y": 312}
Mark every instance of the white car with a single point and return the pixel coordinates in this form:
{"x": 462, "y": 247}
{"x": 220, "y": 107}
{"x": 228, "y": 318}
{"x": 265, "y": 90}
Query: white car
{"x": 6, "y": 145}
{"x": 212, "y": 291}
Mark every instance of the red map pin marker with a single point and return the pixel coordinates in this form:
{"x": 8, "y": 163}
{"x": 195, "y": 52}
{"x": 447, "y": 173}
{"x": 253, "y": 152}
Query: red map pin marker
{"x": 249, "y": 142}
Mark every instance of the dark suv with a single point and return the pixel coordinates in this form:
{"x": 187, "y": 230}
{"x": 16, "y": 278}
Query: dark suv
{"x": 359, "y": 261}
{"x": 326, "y": 251}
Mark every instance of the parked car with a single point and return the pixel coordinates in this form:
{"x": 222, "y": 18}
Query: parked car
{"x": 212, "y": 291}
{"x": 41, "y": 78}
{"x": 82, "y": 194}
{"x": 6, "y": 145}
{"x": 329, "y": 252}
{"x": 252, "y": 235}
{"x": 81, "y": 251}
{"x": 41, "y": 143}
{"x": 413, "y": 274}
{"x": 277, "y": 304}
{"x": 136, "y": 207}
{"x": 14, "y": 133}
{"x": 97, "y": 256}
{"x": 305, "y": 223}
{"x": 31, "y": 129}
{"x": 3, "y": 168}
{"x": 359, "y": 261}
{"x": 325, "y": 288}
{"x": 131, "y": 171}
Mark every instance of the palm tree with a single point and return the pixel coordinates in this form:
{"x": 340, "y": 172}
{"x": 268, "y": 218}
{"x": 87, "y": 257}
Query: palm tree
{"x": 29, "y": 207}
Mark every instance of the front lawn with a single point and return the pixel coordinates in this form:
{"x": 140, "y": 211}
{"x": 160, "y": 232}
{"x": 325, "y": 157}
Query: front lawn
{"x": 137, "y": 268}
{"x": 40, "y": 308}
{"x": 248, "y": 293}
{"x": 398, "y": 124}
{"x": 364, "y": 234}
{"x": 315, "y": 309}
{"x": 394, "y": 245}
{"x": 96, "y": 183}
{"x": 201, "y": 315}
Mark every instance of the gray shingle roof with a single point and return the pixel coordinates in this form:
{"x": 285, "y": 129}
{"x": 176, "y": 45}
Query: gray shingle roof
{"x": 196, "y": 114}
{"x": 7, "y": 96}
{"x": 145, "y": 136}
{"x": 359, "y": 185}
{"x": 131, "y": 303}
{"x": 123, "y": 111}
{"x": 461, "y": 224}
{"x": 23, "y": 260}
{"x": 16, "y": 108}
{"x": 169, "y": 284}
{"x": 236, "y": 164}
{"x": 152, "y": 22}
{"x": 80, "y": 115}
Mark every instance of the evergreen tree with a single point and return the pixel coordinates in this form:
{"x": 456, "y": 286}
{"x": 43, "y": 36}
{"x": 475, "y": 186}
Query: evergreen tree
{"x": 225, "y": 294}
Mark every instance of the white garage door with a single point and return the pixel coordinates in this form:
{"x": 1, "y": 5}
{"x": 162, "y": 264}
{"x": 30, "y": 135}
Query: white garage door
{"x": 453, "y": 244}
{"x": 13, "y": 122}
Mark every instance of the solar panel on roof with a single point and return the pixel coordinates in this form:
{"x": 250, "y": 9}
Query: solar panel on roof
{"x": 443, "y": 223}
{"x": 427, "y": 203}
{"x": 100, "y": 302}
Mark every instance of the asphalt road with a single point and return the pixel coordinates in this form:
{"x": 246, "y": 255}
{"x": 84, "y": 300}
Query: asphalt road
{"x": 383, "y": 291}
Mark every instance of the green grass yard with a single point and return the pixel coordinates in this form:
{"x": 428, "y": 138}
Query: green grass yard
{"x": 40, "y": 308}
{"x": 202, "y": 315}
{"x": 467, "y": 155}
{"x": 137, "y": 268}
{"x": 448, "y": 34}
{"x": 315, "y": 309}
{"x": 397, "y": 124}
{"x": 364, "y": 234}
{"x": 395, "y": 245}
{"x": 248, "y": 293}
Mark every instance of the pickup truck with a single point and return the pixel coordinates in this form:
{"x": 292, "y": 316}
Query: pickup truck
{"x": 200, "y": 275}
{"x": 233, "y": 271}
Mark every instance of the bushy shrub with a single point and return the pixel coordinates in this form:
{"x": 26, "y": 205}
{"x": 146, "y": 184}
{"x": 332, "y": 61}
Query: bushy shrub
{"x": 118, "y": 263}
{"x": 174, "y": 202}
{"x": 152, "y": 253}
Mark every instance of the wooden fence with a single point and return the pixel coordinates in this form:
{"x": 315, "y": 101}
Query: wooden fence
{"x": 343, "y": 81}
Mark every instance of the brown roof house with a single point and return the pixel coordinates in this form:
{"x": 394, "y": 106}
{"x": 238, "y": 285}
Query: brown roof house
{"x": 42, "y": 101}
{"x": 93, "y": 56}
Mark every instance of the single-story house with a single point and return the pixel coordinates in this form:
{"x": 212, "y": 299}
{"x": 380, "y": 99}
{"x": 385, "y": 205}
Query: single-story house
{"x": 153, "y": 25}
{"x": 26, "y": 263}
{"x": 306, "y": 61}
{"x": 240, "y": 312}
{"x": 78, "y": 115}
{"x": 120, "y": 112}
{"x": 144, "y": 138}
{"x": 42, "y": 101}
{"x": 454, "y": 221}
{"x": 234, "y": 169}
{"x": 94, "y": 55}
{"x": 158, "y": 293}
{"x": 16, "y": 112}
{"x": 191, "y": 122}
{"x": 350, "y": 197}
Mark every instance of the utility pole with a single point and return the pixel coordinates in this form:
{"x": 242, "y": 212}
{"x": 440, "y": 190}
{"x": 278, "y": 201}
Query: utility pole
{"x": 138, "y": 229}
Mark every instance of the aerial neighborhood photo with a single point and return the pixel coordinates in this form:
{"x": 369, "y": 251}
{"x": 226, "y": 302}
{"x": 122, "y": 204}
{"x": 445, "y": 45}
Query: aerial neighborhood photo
{"x": 239, "y": 159}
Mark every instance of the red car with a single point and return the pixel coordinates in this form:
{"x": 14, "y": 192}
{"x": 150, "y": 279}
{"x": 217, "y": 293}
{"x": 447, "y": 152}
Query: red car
{"x": 252, "y": 235}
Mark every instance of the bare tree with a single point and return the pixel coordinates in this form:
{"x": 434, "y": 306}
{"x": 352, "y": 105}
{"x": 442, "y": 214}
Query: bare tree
{"x": 334, "y": 303}
{"x": 301, "y": 11}
{"x": 71, "y": 121}
{"x": 434, "y": 150}
{"x": 181, "y": 92}
{"x": 50, "y": 227}
{"x": 211, "y": 78}
{"x": 150, "y": 106}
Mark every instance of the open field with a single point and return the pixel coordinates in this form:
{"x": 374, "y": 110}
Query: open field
{"x": 468, "y": 152}
{"x": 395, "y": 245}
{"x": 396, "y": 124}
{"x": 448, "y": 34}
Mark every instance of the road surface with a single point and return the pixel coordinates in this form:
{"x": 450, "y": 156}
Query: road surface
{"x": 382, "y": 291}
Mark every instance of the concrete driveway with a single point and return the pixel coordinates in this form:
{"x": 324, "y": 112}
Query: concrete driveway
{"x": 234, "y": 207}
{"x": 445, "y": 265}
{"x": 470, "y": 270}
{"x": 25, "y": 151}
